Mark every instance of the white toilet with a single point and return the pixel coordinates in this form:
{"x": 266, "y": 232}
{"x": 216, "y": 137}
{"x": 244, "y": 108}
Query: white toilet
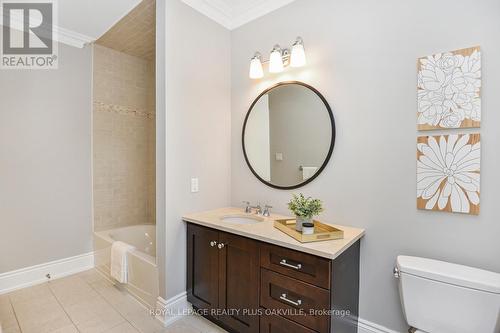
{"x": 440, "y": 297}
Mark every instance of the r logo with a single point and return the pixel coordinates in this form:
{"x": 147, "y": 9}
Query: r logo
{"x": 35, "y": 21}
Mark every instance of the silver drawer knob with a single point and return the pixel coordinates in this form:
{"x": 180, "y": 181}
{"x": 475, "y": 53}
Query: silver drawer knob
{"x": 213, "y": 243}
{"x": 220, "y": 246}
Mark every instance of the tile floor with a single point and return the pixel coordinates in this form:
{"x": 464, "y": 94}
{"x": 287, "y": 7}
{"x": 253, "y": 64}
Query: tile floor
{"x": 85, "y": 303}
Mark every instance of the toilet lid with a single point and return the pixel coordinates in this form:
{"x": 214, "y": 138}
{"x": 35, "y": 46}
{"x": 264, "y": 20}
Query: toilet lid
{"x": 446, "y": 272}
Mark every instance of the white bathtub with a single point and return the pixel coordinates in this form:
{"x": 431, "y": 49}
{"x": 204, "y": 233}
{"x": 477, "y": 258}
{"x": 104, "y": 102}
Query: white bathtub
{"x": 143, "y": 272}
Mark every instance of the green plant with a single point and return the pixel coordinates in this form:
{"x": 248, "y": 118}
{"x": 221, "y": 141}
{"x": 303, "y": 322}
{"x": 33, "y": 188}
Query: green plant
{"x": 305, "y": 207}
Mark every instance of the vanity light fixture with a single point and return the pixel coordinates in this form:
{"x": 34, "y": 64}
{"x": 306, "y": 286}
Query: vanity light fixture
{"x": 276, "y": 63}
{"x": 279, "y": 59}
{"x": 256, "y": 71}
{"x": 298, "y": 57}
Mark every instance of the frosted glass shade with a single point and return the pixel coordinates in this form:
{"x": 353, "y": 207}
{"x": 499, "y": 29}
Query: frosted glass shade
{"x": 256, "y": 71}
{"x": 298, "y": 56}
{"x": 276, "y": 61}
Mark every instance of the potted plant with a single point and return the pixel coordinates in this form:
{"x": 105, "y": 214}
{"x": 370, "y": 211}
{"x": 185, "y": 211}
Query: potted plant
{"x": 304, "y": 209}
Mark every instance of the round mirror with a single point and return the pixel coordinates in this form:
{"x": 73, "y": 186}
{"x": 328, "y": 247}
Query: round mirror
{"x": 288, "y": 135}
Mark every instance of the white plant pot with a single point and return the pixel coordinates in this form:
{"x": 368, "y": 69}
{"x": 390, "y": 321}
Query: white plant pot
{"x": 300, "y": 220}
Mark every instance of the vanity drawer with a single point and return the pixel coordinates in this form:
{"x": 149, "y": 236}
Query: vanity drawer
{"x": 277, "y": 324}
{"x": 302, "y": 266}
{"x": 295, "y": 299}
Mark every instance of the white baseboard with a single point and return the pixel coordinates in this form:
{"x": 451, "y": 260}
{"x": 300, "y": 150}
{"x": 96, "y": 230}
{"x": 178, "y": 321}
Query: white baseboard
{"x": 171, "y": 310}
{"x": 33, "y": 275}
{"x": 365, "y": 326}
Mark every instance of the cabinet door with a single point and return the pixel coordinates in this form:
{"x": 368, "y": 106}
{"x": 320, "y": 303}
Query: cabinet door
{"x": 203, "y": 266}
{"x": 239, "y": 283}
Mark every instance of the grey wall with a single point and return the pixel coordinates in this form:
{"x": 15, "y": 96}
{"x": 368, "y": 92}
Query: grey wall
{"x": 45, "y": 162}
{"x": 362, "y": 56}
{"x": 198, "y": 126}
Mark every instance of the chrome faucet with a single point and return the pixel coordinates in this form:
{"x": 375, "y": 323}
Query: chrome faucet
{"x": 267, "y": 211}
{"x": 248, "y": 208}
{"x": 258, "y": 209}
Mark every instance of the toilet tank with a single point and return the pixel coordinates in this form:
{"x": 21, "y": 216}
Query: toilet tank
{"x": 440, "y": 297}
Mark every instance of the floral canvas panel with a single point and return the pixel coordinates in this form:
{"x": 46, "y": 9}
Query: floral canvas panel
{"x": 448, "y": 173}
{"x": 449, "y": 90}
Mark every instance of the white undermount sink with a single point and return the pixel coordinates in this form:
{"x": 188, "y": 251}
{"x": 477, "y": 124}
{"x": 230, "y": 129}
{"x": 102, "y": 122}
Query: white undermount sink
{"x": 242, "y": 219}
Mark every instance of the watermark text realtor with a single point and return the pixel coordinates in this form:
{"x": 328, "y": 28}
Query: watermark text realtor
{"x": 28, "y": 34}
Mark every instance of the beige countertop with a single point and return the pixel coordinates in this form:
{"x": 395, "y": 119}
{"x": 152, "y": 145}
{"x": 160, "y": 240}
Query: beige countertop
{"x": 266, "y": 232}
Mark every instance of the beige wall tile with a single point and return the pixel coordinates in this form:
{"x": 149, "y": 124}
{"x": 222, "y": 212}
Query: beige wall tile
{"x": 134, "y": 34}
{"x": 124, "y": 139}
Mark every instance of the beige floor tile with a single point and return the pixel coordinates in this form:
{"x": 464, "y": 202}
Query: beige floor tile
{"x": 180, "y": 326}
{"x": 93, "y": 304}
{"x": 202, "y": 324}
{"x": 71, "y": 290}
{"x": 93, "y": 315}
{"x": 123, "y": 328}
{"x": 14, "y": 329}
{"x": 121, "y": 300}
{"x": 7, "y": 316}
{"x": 30, "y": 293}
{"x": 145, "y": 323}
{"x": 67, "y": 329}
{"x": 41, "y": 315}
{"x": 91, "y": 276}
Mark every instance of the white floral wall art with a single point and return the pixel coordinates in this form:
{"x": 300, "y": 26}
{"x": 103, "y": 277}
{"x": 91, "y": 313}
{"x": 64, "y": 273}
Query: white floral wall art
{"x": 448, "y": 173}
{"x": 449, "y": 90}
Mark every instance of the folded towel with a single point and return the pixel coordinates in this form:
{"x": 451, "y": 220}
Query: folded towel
{"x": 308, "y": 172}
{"x": 119, "y": 263}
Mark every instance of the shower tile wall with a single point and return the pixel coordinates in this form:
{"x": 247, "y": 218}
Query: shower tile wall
{"x": 124, "y": 139}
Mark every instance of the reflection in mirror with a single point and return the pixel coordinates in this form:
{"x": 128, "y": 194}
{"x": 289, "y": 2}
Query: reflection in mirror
{"x": 288, "y": 135}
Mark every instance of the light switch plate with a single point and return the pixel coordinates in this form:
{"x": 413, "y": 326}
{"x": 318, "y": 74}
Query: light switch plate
{"x": 279, "y": 156}
{"x": 195, "y": 185}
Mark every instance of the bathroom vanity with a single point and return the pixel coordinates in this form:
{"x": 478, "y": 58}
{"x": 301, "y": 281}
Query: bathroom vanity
{"x": 254, "y": 278}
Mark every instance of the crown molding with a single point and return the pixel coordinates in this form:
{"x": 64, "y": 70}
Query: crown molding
{"x": 72, "y": 38}
{"x": 212, "y": 11}
{"x": 257, "y": 11}
{"x": 222, "y": 13}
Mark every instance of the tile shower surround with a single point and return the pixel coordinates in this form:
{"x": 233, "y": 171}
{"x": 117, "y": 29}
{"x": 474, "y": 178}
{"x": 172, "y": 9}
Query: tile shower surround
{"x": 124, "y": 139}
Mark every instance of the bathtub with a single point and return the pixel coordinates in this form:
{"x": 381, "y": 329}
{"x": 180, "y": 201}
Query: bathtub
{"x": 143, "y": 271}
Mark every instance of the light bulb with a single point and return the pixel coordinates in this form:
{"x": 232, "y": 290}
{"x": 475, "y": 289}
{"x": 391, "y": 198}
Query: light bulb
{"x": 298, "y": 56}
{"x": 256, "y": 71}
{"x": 276, "y": 60}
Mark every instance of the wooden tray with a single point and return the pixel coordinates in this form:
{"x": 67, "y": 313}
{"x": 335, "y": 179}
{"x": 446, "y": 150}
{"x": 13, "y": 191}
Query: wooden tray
{"x": 322, "y": 232}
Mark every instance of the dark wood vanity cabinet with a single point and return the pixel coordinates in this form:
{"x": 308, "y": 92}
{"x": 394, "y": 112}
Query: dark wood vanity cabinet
{"x": 249, "y": 286}
{"x": 223, "y": 277}
{"x": 203, "y": 271}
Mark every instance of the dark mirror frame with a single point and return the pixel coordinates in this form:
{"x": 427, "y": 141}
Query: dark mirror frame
{"x": 332, "y": 143}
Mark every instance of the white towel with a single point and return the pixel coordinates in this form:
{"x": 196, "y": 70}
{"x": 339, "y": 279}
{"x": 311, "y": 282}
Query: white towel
{"x": 119, "y": 263}
{"x": 308, "y": 172}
